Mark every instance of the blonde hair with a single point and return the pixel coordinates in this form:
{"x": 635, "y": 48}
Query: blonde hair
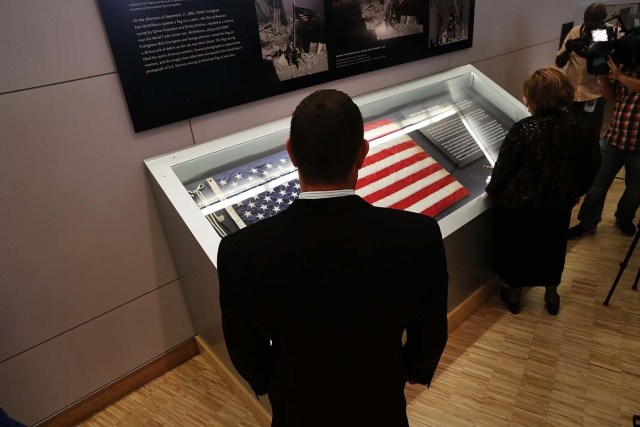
{"x": 547, "y": 89}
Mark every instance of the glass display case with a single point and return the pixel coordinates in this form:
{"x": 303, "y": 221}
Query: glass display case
{"x": 433, "y": 143}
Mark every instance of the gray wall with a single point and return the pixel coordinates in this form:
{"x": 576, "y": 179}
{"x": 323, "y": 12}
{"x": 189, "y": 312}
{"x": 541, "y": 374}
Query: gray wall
{"x": 88, "y": 289}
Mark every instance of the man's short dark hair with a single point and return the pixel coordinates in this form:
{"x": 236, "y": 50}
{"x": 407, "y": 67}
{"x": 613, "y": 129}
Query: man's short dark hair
{"x": 326, "y": 133}
{"x": 594, "y": 15}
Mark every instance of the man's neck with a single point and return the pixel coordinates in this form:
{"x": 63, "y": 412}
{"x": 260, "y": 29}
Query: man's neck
{"x": 348, "y": 184}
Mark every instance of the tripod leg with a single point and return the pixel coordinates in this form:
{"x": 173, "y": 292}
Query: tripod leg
{"x": 615, "y": 283}
{"x": 623, "y": 265}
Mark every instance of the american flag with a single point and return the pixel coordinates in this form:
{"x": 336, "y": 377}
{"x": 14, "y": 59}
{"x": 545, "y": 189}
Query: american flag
{"x": 397, "y": 173}
{"x": 304, "y": 14}
{"x": 237, "y": 197}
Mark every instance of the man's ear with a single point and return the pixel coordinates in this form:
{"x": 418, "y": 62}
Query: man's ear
{"x": 362, "y": 153}
{"x": 288, "y": 147}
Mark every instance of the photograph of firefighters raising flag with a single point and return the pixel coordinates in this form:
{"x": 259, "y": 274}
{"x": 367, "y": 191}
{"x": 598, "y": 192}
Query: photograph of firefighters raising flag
{"x": 292, "y": 38}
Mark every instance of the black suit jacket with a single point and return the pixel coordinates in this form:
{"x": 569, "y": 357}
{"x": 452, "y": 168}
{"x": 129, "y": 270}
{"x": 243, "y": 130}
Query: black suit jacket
{"x": 315, "y": 301}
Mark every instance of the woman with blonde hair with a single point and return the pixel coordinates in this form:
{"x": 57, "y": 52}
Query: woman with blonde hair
{"x": 546, "y": 163}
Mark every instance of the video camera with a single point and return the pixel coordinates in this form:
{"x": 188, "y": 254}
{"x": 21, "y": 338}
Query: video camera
{"x": 616, "y": 41}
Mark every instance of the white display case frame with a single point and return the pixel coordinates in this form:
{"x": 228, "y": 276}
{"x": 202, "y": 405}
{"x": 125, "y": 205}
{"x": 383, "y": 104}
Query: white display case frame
{"x": 162, "y": 168}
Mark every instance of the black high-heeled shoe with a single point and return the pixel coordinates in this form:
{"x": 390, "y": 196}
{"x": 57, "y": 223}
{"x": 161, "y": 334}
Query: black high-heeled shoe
{"x": 552, "y": 303}
{"x": 553, "y": 307}
{"x": 513, "y": 306}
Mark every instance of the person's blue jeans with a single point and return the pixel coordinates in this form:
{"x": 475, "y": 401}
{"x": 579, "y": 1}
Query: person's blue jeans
{"x": 613, "y": 159}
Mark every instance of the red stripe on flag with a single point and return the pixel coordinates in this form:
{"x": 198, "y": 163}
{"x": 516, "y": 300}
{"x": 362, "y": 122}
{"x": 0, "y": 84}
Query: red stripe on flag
{"x": 385, "y": 172}
{"x": 382, "y": 154}
{"x": 441, "y": 205}
{"x": 423, "y": 193}
{"x": 402, "y": 183}
{"x": 369, "y": 127}
{"x": 379, "y": 123}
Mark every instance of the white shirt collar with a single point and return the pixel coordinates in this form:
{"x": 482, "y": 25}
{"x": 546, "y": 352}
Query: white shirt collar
{"x": 326, "y": 194}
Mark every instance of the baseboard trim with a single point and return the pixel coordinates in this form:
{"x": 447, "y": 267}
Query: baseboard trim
{"x": 471, "y": 304}
{"x": 240, "y": 390}
{"x": 119, "y": 388}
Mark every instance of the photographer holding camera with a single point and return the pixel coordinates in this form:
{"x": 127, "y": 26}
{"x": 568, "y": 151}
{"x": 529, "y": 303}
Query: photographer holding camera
{"x": 619, "y": 147}
{"x": 588, "y": 99}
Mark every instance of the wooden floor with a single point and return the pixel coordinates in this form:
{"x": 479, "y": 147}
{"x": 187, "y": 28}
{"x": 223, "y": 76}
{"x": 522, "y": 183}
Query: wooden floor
{"x": 580, "y": 368}
{"x": 190, "y": 395}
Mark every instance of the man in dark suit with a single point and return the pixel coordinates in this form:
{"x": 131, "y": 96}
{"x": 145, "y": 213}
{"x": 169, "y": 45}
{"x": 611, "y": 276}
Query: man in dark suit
{"x": 315, "y": 300}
